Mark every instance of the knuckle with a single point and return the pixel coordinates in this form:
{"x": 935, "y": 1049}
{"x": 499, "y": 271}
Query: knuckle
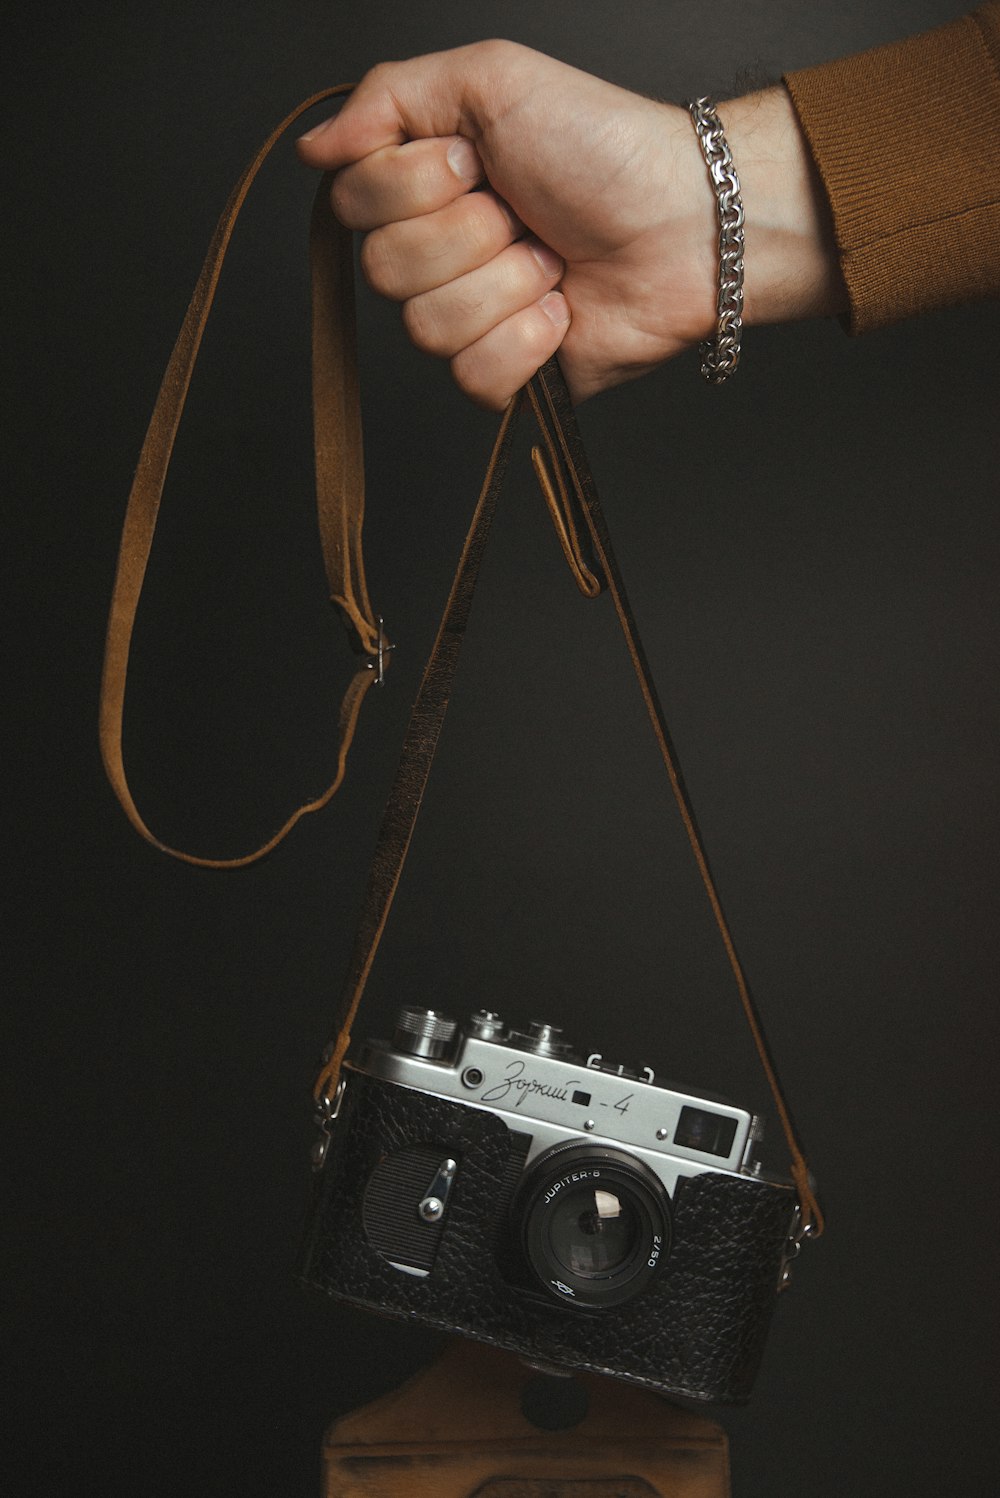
{"x": 497, "y": 51}
{"x": 421, "y": 326}
{"x": 378, "y": 264}
{"x": 478, "y": 226}
{"x": 378, "y": 76}
{"x": 501, "y": 68}
{"x": 469, "y": 377}
{"x": 341, "y": 201}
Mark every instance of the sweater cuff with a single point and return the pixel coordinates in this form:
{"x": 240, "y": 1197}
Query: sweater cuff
{"x": 906, "y": 139}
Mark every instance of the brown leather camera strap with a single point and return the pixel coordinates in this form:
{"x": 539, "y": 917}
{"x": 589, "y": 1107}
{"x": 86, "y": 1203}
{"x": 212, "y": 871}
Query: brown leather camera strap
{"x": 339, "y": 484}
{"x": 565, "y": 479}
{"x": 567, "y": 486}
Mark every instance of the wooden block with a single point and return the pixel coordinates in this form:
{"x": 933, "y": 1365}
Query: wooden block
{"x": 458, "y": 1430}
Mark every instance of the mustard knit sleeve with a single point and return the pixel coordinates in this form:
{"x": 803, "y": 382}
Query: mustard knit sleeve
{"x": 906, "y": 139}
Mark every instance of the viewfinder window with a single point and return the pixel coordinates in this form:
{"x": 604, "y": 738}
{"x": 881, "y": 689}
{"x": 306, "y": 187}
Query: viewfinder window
{"x": 711, "y": 1133}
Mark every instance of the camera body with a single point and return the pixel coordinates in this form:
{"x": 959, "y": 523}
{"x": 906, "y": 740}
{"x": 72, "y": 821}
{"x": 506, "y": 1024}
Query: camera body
{"x": 494, "y": 1183}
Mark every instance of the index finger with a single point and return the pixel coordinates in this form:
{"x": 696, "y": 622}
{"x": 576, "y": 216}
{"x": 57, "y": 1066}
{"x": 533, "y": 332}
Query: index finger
{"x": 439, "y": 94}
{"x": 393, "y": 103}
{"x": 402, "y": 182}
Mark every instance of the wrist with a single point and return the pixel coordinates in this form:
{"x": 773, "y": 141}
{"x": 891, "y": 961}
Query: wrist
{"x": 791, "y": 265}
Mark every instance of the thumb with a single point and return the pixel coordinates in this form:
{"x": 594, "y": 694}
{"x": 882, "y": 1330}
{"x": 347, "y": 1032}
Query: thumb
{"x": 396, "y": 102}
{"x": 458, "y": 92}
{"x": 363, "y": 124}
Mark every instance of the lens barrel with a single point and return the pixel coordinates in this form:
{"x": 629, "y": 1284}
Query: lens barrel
{"x": 595, "y": 1224}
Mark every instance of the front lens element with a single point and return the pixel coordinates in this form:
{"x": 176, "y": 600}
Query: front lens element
{"x": 593, "y": 1232}
{"x": 595, "y": 1224}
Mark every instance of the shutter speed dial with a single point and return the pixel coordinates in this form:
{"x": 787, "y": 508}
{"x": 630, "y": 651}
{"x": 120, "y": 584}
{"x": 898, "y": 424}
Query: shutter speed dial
{"x": 541, "y": 1040}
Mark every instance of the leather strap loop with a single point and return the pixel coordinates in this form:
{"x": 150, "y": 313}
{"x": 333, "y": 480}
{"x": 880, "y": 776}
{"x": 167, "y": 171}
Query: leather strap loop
{"x": 339, "y": 483}
{"x": 340, "y": 468}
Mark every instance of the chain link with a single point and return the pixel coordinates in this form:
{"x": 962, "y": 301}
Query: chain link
{"x": 721, "y": 355}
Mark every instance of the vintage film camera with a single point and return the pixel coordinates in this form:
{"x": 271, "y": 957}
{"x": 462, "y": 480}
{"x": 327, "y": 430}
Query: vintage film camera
{"x": 492, "y": 1182}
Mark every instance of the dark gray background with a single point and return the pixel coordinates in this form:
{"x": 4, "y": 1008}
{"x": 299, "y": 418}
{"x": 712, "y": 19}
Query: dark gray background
{"x": 813, "y": 555}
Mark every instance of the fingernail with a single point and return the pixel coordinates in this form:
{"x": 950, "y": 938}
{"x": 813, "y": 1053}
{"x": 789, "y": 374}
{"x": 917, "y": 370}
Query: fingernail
{"x": 318, "y": 129}
{"x": 463, "y": 158}
{"x": 550, "y": 262}
{"x": 556, "y": 308}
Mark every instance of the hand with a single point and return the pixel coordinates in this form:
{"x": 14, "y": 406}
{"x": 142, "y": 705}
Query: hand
{"x": 592, "y": 227}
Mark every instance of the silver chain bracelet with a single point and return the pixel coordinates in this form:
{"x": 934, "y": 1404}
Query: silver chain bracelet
{"x": 720, "y": 355}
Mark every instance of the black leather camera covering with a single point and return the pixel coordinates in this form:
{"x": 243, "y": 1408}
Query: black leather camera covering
{"x": 698, "y": 1331}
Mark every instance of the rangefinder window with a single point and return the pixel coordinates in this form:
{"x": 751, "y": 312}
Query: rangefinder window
{"x": 711, "y": 1133}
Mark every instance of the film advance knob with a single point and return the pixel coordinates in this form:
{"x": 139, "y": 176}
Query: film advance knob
{"x": 423, "y": 1032}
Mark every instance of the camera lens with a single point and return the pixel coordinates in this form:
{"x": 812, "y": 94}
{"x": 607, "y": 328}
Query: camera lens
{"x": 595, "y": 1224}
{"x": 592, "y": 1231}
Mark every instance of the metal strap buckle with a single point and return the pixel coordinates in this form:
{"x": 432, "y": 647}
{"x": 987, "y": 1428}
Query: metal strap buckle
{"x": 327, "y": 1109}
{"x": 799, "y": 1233}
{"x": 378, "y": 665}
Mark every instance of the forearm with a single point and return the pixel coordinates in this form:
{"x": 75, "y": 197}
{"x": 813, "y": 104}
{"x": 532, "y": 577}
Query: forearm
{"x": 791, "y": 265}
